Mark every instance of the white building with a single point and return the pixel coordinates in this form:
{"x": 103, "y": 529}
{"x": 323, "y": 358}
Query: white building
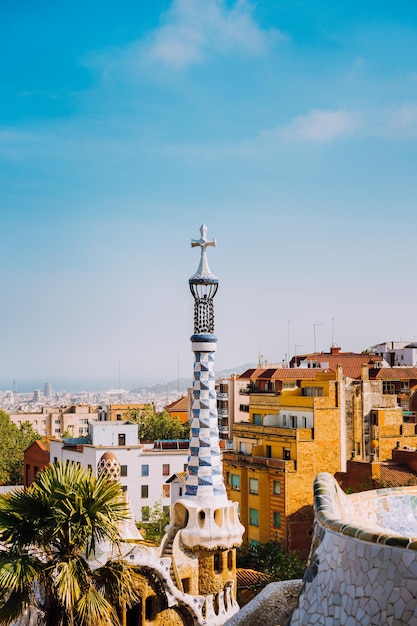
{"x": 57, "y": 421}
{"x": 397, "y": 353}
{"x": 144, "y": 469}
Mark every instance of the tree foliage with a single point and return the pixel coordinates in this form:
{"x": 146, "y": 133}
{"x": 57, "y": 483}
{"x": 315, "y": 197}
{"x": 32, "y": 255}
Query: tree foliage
{"x": 153, "y": 425}
{"x": 270, "y": 559}
{"x": 13, "y": 443}
{"x": 154, "y": 529}
{"x": 50, "y": 533}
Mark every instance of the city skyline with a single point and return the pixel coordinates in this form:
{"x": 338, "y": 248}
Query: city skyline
{"x": 290, "y": 130}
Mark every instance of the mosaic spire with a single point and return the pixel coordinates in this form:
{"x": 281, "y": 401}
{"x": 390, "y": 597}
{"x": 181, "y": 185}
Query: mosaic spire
{"x": 204, "y": 478}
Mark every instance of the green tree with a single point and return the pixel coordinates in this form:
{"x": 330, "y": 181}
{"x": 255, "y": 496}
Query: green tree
{"x": 154, "y": 529}
{"x": 270, "y": 559}
{"x": 153, "y": 425}
{"x": 13, "y": 443}
{"x": 50, "y": 533}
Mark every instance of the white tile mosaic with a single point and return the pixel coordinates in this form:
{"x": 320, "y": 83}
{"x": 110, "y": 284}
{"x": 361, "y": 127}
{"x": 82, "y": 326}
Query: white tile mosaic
{"x": 363, "y": 562}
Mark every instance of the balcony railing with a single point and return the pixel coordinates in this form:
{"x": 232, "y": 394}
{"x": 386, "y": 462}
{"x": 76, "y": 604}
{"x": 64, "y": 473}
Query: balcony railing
{"x": 222, "y": 395}
{"x": 287, "y": 465}
{"x": 223, "y": 412}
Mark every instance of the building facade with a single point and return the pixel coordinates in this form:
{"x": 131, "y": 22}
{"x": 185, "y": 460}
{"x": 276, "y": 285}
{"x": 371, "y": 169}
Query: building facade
{"x": 144, "y": 469}
{"x": 69, "y": 420}
{"x": 303, "y": 421}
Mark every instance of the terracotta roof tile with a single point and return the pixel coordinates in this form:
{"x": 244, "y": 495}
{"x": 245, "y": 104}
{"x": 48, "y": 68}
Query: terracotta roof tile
{"x": 351, "y": 362}
{"x": 297, "y": 373}
{"x": 247, "y": 373}
{"x": 250, "y": 578}
{"x": 394, "y": 373}
{"x": 394, "y": 475}
{"x": 178, "y": 405}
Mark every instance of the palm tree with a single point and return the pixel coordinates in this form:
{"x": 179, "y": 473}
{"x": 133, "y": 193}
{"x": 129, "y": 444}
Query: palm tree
{"x": 53, "y": 535}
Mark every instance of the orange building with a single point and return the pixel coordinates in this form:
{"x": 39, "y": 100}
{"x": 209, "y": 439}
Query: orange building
{"x": 36, "y": 457}
{"x": 178, "y": 409}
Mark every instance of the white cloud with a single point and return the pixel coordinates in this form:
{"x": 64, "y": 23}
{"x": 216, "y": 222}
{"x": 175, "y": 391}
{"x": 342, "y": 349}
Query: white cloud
{"x": 192, "y": 29}
{"x": 400, "y": 122}
{"x": 317, "y": 126}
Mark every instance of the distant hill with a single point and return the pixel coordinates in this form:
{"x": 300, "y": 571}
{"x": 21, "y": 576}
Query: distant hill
{"x": 183, "y": 384}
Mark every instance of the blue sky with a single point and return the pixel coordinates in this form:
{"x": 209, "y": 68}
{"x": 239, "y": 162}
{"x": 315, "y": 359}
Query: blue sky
{"x": 288, "y": 127}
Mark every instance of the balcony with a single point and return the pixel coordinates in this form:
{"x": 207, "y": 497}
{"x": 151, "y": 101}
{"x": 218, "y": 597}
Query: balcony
{"x": 222, "y": 396}
{"x": 223, "y": 412}
{"x": 410, "y": 417}
{"x": 223, "y": 429}
{"x": 289, "y": 465}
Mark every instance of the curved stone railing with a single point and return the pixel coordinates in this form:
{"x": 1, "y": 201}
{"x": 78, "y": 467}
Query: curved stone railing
{"x": 362, "y": 567}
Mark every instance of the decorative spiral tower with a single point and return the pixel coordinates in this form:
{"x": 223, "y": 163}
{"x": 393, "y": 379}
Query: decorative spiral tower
{"x": 209, "y": 521}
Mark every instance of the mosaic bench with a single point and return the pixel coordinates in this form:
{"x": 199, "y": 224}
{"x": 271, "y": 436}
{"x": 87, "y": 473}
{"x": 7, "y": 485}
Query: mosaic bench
{"x": 362, "y": 567}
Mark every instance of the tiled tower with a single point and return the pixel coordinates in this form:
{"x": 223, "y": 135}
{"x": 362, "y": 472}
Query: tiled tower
{"x": 204, "y": 478}
{"x": 204, "y": 521}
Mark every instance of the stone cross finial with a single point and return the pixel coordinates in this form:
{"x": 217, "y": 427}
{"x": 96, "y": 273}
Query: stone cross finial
{"x": 203, "y": 270}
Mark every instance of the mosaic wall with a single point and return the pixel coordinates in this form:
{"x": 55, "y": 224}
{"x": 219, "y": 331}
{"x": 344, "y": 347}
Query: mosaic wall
{"x": 204, "y": 475}
{"x": 362, "y": 567}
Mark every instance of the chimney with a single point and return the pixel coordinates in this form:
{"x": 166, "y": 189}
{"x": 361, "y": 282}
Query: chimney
{"x": 335, "y": 350}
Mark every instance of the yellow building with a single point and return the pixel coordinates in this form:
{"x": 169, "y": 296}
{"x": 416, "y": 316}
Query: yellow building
{"x": 303, "y": 421}
{"x": 289, "y": 439}
{"x": 117, "y": 412}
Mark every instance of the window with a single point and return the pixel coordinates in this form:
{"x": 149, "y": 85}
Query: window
{"x": 286, "y": 454}
{"x": 185, "y": 467}
{"x": 284, "y": 420}
{"x": 123, "y": 470}
{"x": 257, "y": 419}
{"x": 144, "y": 491}
{"x": 57, "y": 421}
{"x": 253, "y": 486}
{"x": 145, "y": 470}
{"x": 180, "y": 491}
{"x": 166, "y": 510}
{"x": 227, "y": 478}
{"x": 312, "y": 391}
{"x": 166, "y": 491}
{"x": 230, "y": 560}
{"x": 236, "y": 482}
{"x": 118, "y": 416}
{"x": 277, "y": 519}
{"x": 254, "y": 517}
{"x": 276, "y": 488}
{"x": 145, "y": 514}
{"x": 165, "y": 469}
{"x": 150, "y": 608}
{"x": 217, "y": 563}
{"x": 121, "y": 439}
{"x": 293, "y": 421}
{"x": 268, "y": 452}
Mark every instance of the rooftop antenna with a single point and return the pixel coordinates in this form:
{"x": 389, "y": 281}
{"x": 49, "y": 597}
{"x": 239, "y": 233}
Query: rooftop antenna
{"x": 120, "y": 386}
{"x": 333, "y": 319}
{"x": 314, "y": 326}
{"x": 178, "y": 374}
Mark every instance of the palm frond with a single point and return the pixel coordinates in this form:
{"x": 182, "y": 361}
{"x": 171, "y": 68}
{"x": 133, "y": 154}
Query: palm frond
{"x": 95, "y": 610}
{"x": 69, "y": 581}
